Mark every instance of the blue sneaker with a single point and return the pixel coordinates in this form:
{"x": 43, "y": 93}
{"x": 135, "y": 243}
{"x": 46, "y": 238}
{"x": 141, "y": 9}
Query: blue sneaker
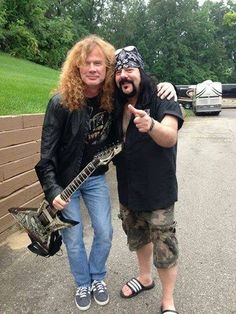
{"x": 83, "y": 298}
{"x": 100, "y": 294}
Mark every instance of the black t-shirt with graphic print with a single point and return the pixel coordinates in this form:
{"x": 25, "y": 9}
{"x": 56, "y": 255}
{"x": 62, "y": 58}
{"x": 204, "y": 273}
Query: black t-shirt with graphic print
{"x": 99, "y": 135}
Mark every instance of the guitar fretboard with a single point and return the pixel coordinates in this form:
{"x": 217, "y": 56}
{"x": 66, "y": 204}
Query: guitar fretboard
{"x": 102, "y": 158}
{"x": 82, "y": 176}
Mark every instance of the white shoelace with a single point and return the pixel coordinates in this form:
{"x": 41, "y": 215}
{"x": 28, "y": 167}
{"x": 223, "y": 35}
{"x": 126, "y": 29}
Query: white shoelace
{"x": 82, "y": 292}
{"x": 100, "y": 286}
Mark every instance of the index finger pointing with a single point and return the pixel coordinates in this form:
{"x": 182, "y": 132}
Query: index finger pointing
{"x": 136, "y": 112}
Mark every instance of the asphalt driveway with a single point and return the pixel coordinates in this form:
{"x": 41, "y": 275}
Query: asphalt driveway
{"x": 206, "y": 219}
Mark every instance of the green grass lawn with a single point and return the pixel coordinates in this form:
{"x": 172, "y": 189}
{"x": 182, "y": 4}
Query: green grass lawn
{"x": 24, "y": 86}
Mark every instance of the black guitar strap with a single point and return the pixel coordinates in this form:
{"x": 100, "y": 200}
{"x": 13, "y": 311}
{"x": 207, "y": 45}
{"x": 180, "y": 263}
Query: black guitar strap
{"x": 54, "y": 245}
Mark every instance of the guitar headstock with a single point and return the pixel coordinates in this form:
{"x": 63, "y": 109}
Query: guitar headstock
{"x": 106, "y": 156}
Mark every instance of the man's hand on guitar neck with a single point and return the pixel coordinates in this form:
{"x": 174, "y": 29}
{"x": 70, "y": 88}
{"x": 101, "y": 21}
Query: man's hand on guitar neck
{"x": 58, "y": 203}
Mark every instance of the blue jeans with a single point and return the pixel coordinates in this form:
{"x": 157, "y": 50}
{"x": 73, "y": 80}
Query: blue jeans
{"x": 86, "y": 268}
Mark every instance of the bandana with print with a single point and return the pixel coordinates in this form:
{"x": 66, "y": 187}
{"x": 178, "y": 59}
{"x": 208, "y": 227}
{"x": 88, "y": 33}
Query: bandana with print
{"x": 128, "y": 57}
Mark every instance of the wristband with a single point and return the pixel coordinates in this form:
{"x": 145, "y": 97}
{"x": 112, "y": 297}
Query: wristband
{"x": 152, "y": 125}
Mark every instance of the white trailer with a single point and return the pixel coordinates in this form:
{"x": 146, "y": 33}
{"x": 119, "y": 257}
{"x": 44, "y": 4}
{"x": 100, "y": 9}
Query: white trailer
{"x": 207, "y": 98}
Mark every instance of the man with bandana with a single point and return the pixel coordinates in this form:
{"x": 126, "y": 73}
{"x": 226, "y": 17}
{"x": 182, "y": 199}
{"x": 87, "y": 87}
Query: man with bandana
{"x": 146, "y": 174}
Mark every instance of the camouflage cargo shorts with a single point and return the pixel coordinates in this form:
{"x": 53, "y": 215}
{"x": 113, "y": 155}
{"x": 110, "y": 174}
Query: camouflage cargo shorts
{"x": 157, "y": 227}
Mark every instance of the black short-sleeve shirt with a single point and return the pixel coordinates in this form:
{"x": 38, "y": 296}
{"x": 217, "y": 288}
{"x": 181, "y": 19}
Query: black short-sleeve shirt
{"x": 146, "y": 172}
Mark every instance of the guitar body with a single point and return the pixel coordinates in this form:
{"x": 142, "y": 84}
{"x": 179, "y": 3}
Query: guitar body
{"x": 43, "y": 224}
{"x": 40, "y": 224}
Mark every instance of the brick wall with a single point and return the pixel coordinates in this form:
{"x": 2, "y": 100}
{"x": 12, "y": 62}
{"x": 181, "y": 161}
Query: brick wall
{"x": 19, "y": 152}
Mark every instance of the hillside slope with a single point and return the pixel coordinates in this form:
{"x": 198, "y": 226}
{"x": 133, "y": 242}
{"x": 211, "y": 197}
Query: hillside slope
{"x": 24, "y": 86}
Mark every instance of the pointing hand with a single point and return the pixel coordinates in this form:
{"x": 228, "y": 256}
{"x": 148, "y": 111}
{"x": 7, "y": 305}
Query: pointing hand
{"x": 142, "y": 120}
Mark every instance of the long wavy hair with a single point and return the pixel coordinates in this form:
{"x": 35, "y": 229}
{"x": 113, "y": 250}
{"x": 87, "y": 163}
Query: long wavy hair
{"x": 71, "y": 87}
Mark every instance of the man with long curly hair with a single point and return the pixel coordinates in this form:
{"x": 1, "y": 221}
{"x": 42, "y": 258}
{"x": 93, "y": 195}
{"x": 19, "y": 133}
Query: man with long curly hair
{"x": 78, "y": 124}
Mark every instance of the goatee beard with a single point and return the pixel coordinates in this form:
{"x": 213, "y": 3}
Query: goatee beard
{"x": 131, "y": 94}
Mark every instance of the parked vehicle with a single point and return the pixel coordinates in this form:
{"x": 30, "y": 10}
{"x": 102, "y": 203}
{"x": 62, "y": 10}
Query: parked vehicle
{"x": 229, "y": 95}
{"x": 185, "y": 95}
{"x": 207, "y": 98}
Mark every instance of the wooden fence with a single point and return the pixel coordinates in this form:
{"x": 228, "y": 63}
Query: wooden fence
{"x": 19, "y": 152}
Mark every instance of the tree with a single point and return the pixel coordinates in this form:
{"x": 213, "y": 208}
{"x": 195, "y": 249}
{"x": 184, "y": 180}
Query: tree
{"x": 55, "y": 39}
{"x": 180, "y": 41}
{"x": 19, "y": 38}
{"x": 30, "y": 34}
{"x": 185, "y": 49}
{"x": 229, "y": 23}
{"x": 171, "y": 26}
{"x": 2, "y": 20}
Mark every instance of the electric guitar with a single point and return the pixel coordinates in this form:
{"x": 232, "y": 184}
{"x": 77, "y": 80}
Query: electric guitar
{"x": 42, "y": 224}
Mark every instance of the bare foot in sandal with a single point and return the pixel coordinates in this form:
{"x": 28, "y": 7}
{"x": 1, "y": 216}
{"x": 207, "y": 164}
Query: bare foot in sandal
{"x": 134, "y": 287}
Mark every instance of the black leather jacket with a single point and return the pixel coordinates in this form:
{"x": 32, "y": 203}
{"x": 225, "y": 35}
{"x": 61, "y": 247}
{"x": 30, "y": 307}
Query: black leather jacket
{"x": 62, "y": 147}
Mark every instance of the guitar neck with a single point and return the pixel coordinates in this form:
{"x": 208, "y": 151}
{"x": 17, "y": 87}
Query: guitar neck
{"x": 102, "y": 158}
{"x": 81, "y": 177}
